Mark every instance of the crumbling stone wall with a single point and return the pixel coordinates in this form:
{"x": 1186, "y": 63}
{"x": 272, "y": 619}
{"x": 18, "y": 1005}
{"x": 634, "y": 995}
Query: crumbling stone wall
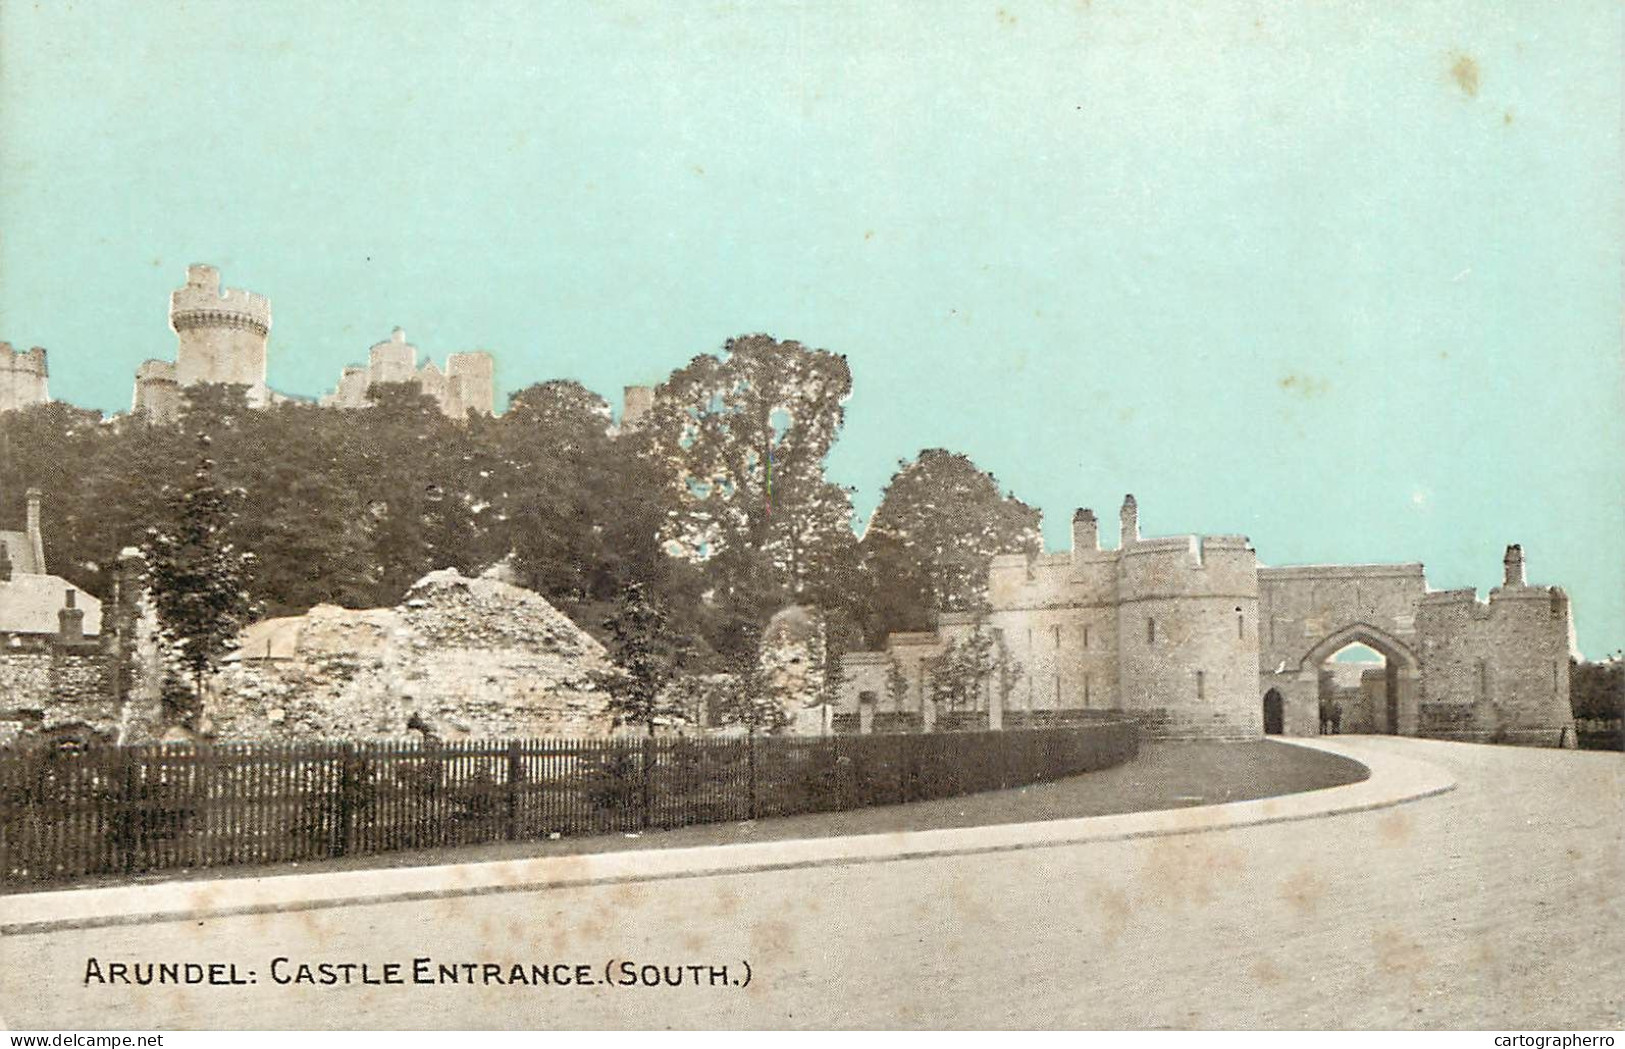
{"x": 48, "y": 688}
{"x": 458, "y": 658}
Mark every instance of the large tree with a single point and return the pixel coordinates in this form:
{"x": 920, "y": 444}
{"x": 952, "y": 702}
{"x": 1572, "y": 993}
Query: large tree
{"x": 940, "y": 522}
{"x": 742, "y": 439}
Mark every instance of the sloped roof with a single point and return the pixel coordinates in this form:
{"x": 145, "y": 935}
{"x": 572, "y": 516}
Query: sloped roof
{"x": 29, "y": 603}
{"x": 21, "y": 553}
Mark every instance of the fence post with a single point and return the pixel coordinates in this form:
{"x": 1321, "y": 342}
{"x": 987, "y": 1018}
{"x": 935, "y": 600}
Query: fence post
{"x": 750, "y": 757}
{"x": 516, "y": 773}
{"x": 130, "y": 818}
{"x": 644, "y": 817}
{"x": 341, "y": 837}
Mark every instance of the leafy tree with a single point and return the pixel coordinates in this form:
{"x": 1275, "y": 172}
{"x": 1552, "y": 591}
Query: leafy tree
{"x": 197, "y": 578}
{"x": 742, "y": 440}
{"x": 939, "y": 524}
{"x": 647, "y": 654}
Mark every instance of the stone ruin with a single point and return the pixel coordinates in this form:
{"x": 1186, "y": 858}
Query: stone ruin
{"x": 458, "y": 658}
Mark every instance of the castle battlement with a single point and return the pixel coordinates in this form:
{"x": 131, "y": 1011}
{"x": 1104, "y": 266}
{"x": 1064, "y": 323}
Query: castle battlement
{"x": 22, "y": 377}
{"x": 26, "y": 362}
{"x": 466, "y": 383}
{"x": 203, "y": 303}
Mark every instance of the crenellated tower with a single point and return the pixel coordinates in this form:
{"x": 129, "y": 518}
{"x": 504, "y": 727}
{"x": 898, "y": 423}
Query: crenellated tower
{"x": 22, "y": 378}
{"x": 222, "y": 332}
{"x": 1497, "y": 669}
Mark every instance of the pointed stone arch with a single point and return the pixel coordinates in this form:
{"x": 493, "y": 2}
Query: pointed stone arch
{"x": 1400, "y": 681}
{"x": 1390, "y": 647}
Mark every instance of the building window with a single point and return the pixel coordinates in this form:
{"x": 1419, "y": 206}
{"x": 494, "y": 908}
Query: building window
{"x": 1483, "y": 679}
{"x": 1151, "y": 631}
{"x": 1057, "y": 636}
{"x": 1086, "y": 635}
{"x": 1201, "y": 685}
{"x": 1241, "y": 624}
{"x": 1086, "y": 690}
{"x": 1057, "y": 691}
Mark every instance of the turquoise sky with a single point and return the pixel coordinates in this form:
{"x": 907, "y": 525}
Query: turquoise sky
{"x": 1342, "y": 276}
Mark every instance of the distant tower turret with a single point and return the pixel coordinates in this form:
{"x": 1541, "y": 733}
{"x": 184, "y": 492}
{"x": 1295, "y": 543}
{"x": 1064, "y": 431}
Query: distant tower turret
{"x": 1085, "y": 532}
{"x": 22, "y": 378}
{"x": 475, "y": 376}
{"x": 222, "y": 332}
{"x": 1129, "y": 519}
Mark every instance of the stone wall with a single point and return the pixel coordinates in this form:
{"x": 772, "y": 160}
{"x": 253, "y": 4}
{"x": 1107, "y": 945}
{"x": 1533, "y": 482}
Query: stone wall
{"x": 48, "y": 688}
{"x": 458, "y": 658}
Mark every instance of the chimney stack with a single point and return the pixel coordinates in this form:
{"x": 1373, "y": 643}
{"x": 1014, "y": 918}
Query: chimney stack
{"x": 1513, "y": 565}
{"x": 1130, "y": 520}
{"x": 1085, "y": 531}
{"x": 35, "y": 543}
{"x": 70, "y": 621}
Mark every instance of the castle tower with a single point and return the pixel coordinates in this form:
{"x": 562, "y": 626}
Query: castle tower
{"x": 157, "y": 394}
{"x": 394, "y": 360}
{"x": 222, "y": 333}
{"x": 22, "y": 378}
{"x": 1501, "y": 665}
{"x": 1187, "y": 634}
{"x": 474, "y": 374}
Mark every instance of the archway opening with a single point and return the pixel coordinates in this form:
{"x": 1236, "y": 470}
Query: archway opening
{"x": 1358, "y": 691}
{"x": 1274, "y": 713}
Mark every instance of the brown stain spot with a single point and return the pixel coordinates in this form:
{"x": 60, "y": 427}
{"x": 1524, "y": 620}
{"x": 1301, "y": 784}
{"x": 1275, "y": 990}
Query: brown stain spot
{"x": 1303, "y": 891}
{"x": 727, "y": 900}
{"x": 868, "y": 234}
{"x": 1305, "y": 386}
{"x": 1464, "y": 71}
{"x": 1115, "y": 910}
{"x": 1506, "y": 118}
{"x": 1265, "y": 972}
{"x": 1005, "y": 17}
{"x": 1394, "y": 829}
{"x": 1397, "y": 954}
{"x": 698, "y": 170}
{"x": 1179, "y": 871}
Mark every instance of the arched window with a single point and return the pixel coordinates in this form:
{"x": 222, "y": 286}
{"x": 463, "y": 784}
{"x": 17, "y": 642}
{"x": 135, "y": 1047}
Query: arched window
{"x": 1151, "y": 631}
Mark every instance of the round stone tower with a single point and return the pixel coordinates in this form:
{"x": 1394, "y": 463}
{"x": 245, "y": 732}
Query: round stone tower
{"x": 1188, "y": 636}
{"x": 222, "y": 332}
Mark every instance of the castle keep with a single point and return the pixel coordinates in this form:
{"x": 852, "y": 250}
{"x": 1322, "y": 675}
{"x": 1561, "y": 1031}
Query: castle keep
{"x": 222, "y": 336}
{"x": 1192, "y": 635}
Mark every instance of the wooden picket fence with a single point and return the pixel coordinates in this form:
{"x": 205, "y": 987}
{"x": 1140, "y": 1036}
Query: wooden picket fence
{"x": 68, "y": 814}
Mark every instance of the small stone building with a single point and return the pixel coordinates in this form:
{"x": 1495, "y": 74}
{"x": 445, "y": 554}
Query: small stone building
{"x": 56, "y": 674}
{"x": 458, "y": 658}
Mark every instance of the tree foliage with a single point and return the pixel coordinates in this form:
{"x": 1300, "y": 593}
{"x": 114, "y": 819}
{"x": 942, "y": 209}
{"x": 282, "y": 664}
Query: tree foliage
{"x": 197, "y": 578}
{"x": 648, "y": 655}
{"x": 940, "y": 522}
